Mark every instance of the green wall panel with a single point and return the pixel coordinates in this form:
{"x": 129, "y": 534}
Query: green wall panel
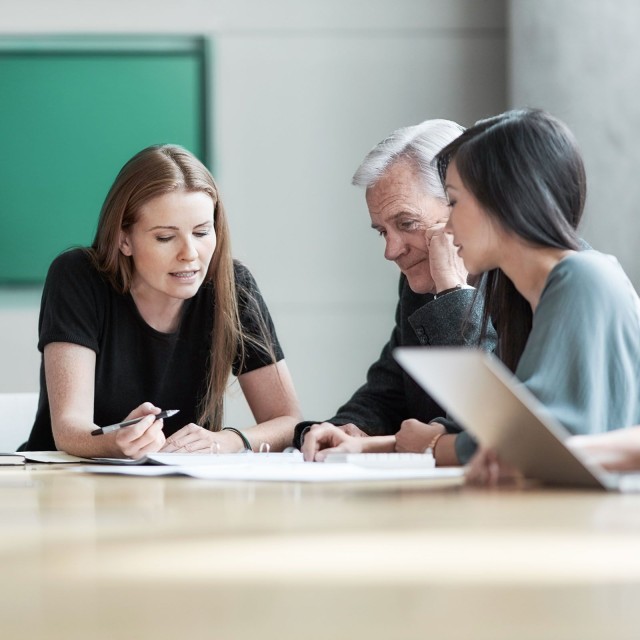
{"x": 69, "y": 119}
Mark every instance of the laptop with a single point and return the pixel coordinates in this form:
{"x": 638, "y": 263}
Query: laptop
{"x": 489, "y": 402}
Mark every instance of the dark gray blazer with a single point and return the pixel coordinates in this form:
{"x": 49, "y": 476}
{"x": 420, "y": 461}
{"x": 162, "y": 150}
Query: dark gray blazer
{"x": 389, "y": 395}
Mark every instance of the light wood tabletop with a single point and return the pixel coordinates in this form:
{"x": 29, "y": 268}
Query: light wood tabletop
{"x": 86, "y": 556}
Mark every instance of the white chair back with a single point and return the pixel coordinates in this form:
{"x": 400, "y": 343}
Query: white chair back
{"x": 17, "y": 412}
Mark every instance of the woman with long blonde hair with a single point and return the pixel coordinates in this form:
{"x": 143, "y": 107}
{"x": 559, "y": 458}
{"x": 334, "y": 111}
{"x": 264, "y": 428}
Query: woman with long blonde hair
{"x": 156, "y": 315}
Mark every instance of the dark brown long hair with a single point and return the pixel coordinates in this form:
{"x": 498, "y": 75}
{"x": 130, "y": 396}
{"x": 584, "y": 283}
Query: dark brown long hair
{"x": 525, "y": 170}
{"x": 155, "y": 171}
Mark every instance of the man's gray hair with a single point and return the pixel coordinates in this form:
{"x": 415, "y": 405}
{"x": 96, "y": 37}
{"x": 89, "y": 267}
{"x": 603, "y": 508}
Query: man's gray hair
{"x": 419, "y": 143}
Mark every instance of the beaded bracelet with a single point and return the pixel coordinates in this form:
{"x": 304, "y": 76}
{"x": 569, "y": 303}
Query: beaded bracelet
{"x": 434, "y": 442}
{"x": 245, "y": 440}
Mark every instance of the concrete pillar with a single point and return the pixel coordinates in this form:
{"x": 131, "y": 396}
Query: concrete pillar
{"x": 580, "y": 59}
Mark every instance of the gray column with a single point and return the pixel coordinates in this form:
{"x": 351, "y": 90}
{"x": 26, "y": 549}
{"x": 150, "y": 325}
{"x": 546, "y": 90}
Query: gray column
{"x": 580, "y": 59}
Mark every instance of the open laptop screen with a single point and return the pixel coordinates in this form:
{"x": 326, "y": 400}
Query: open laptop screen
{"x": 488, "y": 401}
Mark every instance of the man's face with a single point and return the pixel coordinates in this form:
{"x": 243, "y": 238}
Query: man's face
{"x": 402, "y": 211}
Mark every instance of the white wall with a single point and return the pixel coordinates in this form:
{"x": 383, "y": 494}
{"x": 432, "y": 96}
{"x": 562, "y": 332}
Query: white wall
{"x": 580, "y": 59}
{"x": 302, "y": 91}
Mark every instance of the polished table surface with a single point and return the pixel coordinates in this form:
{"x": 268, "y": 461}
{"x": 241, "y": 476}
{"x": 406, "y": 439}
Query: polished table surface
{"x": 87, "y": 556}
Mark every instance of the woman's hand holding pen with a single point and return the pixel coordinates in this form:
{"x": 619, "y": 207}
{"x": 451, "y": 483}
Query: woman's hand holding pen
{"x": 194, "y": 439}
{"x": 144, "y": 437}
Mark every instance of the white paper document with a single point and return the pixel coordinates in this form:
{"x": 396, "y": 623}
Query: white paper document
{"x": 206, "y": 459}
{"x": 284, "y": 472}
{"x": 52, "y": 457}
{"x": 172, "y": 459}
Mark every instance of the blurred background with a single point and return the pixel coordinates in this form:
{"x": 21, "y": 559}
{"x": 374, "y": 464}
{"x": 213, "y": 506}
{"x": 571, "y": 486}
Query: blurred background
{"x": 288, "y": 96}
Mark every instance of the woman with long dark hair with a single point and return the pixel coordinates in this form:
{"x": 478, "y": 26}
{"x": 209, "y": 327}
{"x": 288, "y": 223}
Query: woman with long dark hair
{"x": 568, "y": 320}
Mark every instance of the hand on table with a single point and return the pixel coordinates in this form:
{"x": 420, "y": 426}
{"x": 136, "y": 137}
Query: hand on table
{"x": 415, "y": 436}
{"x": 487, "y": 470}
{"x": 195, "y": 439}
{"x": 326, "y": 438}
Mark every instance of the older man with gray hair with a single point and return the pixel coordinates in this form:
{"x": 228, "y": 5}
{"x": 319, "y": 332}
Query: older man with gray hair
{"x": 409, "y": 209}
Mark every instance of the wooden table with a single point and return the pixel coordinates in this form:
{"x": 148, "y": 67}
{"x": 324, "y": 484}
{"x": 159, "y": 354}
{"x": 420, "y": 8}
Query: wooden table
{"x": 86, "y": 557}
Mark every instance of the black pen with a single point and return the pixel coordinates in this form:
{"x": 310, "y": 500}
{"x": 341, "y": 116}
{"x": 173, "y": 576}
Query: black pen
{"x": 127, "y": 423}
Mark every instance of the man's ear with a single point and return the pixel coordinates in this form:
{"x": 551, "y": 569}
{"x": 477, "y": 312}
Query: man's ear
{"x": 124, "y": 243}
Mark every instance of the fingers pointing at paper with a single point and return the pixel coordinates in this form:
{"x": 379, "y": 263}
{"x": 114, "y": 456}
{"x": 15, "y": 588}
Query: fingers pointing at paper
{"x": 326, "y": 438}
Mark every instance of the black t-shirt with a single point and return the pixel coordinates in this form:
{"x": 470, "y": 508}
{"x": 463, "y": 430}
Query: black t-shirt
{"x": 134, "y": 362}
